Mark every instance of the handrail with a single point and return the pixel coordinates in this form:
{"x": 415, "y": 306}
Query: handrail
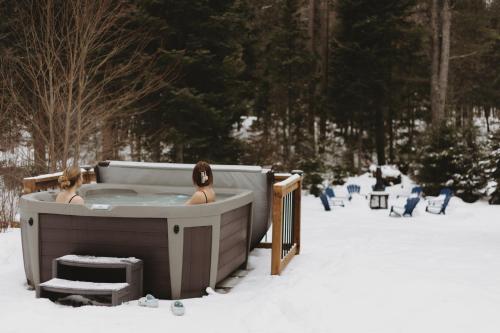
{"x": 285, "y": 221}
{"x": 50, "y": 181}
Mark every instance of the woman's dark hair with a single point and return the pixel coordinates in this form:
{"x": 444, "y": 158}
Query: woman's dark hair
{"x": 202, "y": 174}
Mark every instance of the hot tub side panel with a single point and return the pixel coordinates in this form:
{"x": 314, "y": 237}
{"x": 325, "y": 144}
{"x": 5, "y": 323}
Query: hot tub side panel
{"x": 252, "y": 178}
{"x": 196, "y": 261}
{"x": 234, "y": 240}
{"x": 143, "y": 238}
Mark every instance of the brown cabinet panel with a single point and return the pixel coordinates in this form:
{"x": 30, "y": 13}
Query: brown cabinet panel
{"x": 143, "y": 238}
{"x": 196, "y": 261}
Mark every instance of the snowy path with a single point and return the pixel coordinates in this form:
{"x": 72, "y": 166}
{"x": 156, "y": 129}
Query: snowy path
{"x": 359, "y": 271}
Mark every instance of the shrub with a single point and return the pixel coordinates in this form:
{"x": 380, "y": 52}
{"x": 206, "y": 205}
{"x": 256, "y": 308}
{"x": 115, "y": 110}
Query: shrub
{"x": 450, "y": 157}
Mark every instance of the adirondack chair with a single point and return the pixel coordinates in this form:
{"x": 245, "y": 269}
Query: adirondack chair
{"x": 324, "y": 201}
{"x": 334, "y": 200}
{"x": 408, "y": 208}
{"x": 438, "y": 205}
{"x": 416, "y": 191}
{"x": 353, "y": 188}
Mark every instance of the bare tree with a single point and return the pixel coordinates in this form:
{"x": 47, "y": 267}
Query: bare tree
{"x": 441, "y": 27}
{"x": 77, "y": 66}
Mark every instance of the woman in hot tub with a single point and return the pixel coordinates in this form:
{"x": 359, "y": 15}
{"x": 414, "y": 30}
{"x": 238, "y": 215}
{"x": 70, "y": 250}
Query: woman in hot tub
{"x": 69, "y": 182}
{"x": 202, "y": 180}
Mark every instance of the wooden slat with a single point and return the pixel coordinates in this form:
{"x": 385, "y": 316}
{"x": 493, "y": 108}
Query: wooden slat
{"x": 238, "y": 238}
{"x": 264, "y": 245}
{"x": 234, "y": 214}
{"x": 234, "y": 237}
{"x": 231, "y": 253}
{"x": 224, "y": 270}
{"x": 288, "y": 257}
{"x": 103, "y": 224}
{"x": 230, "y": 228}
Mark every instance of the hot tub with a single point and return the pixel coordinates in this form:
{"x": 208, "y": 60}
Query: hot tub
{"x": 184, "y": 248}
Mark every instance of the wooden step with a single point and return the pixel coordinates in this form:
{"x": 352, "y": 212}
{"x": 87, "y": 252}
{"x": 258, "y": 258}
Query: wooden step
{"x": 101, "y": 269}
{"x": 118, "y": 292}
{"x": 91, "y": 261}
{"x": 110, "y": 280}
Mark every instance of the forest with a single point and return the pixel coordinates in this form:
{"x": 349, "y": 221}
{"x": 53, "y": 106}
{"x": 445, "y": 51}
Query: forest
{"x": 326, "y": 86}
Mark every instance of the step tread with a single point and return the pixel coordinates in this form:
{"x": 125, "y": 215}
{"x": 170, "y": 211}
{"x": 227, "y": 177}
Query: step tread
{"x": 83, "y": 285}
{"x": 79, "y": 259}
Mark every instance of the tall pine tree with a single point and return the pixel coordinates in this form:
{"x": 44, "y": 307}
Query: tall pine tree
{"x": 195, "y": 115}
{"x": 284, "y": 72}
{"x": 371, "y": 42}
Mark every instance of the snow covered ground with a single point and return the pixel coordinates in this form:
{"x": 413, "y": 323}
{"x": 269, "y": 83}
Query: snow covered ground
{"x": 359, "y": 271}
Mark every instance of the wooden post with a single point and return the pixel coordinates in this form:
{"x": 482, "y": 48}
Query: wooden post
{"x": 29, "y": 185}
{"x": 277, "y": 218}
{"x": 296, "y": 214}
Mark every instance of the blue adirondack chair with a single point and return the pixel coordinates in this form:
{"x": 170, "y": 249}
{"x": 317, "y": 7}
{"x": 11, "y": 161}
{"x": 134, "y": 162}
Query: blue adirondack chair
{"x": 438, "y": 205}
{"x": 416, "y": 190}
{"x": 408, "y": 208}
{"x": 334, "y": 200}
{"x": 324, "y": 201}
{"x": 353, "y": 188}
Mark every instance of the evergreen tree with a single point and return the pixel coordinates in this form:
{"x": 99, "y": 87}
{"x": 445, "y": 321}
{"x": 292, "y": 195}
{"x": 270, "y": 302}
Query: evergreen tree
{"x": 283, "y": 75}
{"x": 490, "y": 166}
{"x": 450, "y": 157}
{"x": 469, "y": 43}
{"x": 437, "y": 162}
{"x": 197, "y": 111}
{"x": 469, "y": 181}
{"x": 371, "y": 42}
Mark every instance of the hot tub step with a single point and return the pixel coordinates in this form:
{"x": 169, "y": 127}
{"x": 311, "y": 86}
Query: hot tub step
{"x": 117, "y": 293}
{"x": 113, "y": 279}
{"x": 92, "y": 261}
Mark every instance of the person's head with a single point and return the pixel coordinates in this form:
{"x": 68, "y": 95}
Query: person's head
{"x": 71, "y": 176}
{"x": 202, "y": 174}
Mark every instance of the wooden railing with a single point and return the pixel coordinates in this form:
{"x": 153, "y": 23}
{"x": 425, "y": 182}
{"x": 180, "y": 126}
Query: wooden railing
{"x": 50, "y": 181}
{"x": 285, "y": 221}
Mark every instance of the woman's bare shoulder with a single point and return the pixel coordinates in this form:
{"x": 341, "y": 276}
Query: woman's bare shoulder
{"x": 78, "y": 200}
{"x": 196, "y": 199}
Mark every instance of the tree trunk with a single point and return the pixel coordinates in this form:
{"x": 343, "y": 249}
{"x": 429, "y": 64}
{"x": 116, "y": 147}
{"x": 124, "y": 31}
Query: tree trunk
{"x": 156, "y": 150}
{"x": 487, "y": 117}
{"x": 411, "y": 121}
{"x": 179, "y": 152}
{"x": 40, "y": 157}
{"x": 359, "y": 136}
{"x": 440, "y": 27}
{"x": 107, "y": 140}
{"x": 445, "y": 55}
{"x": 325, "y": 39}
{"x": 391, "y": 135}
{"x": 288, "y": 114}
{"x": 379, "y": 135}
{"x": 322, "y": 132}
{"x": 52, "y": 145}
